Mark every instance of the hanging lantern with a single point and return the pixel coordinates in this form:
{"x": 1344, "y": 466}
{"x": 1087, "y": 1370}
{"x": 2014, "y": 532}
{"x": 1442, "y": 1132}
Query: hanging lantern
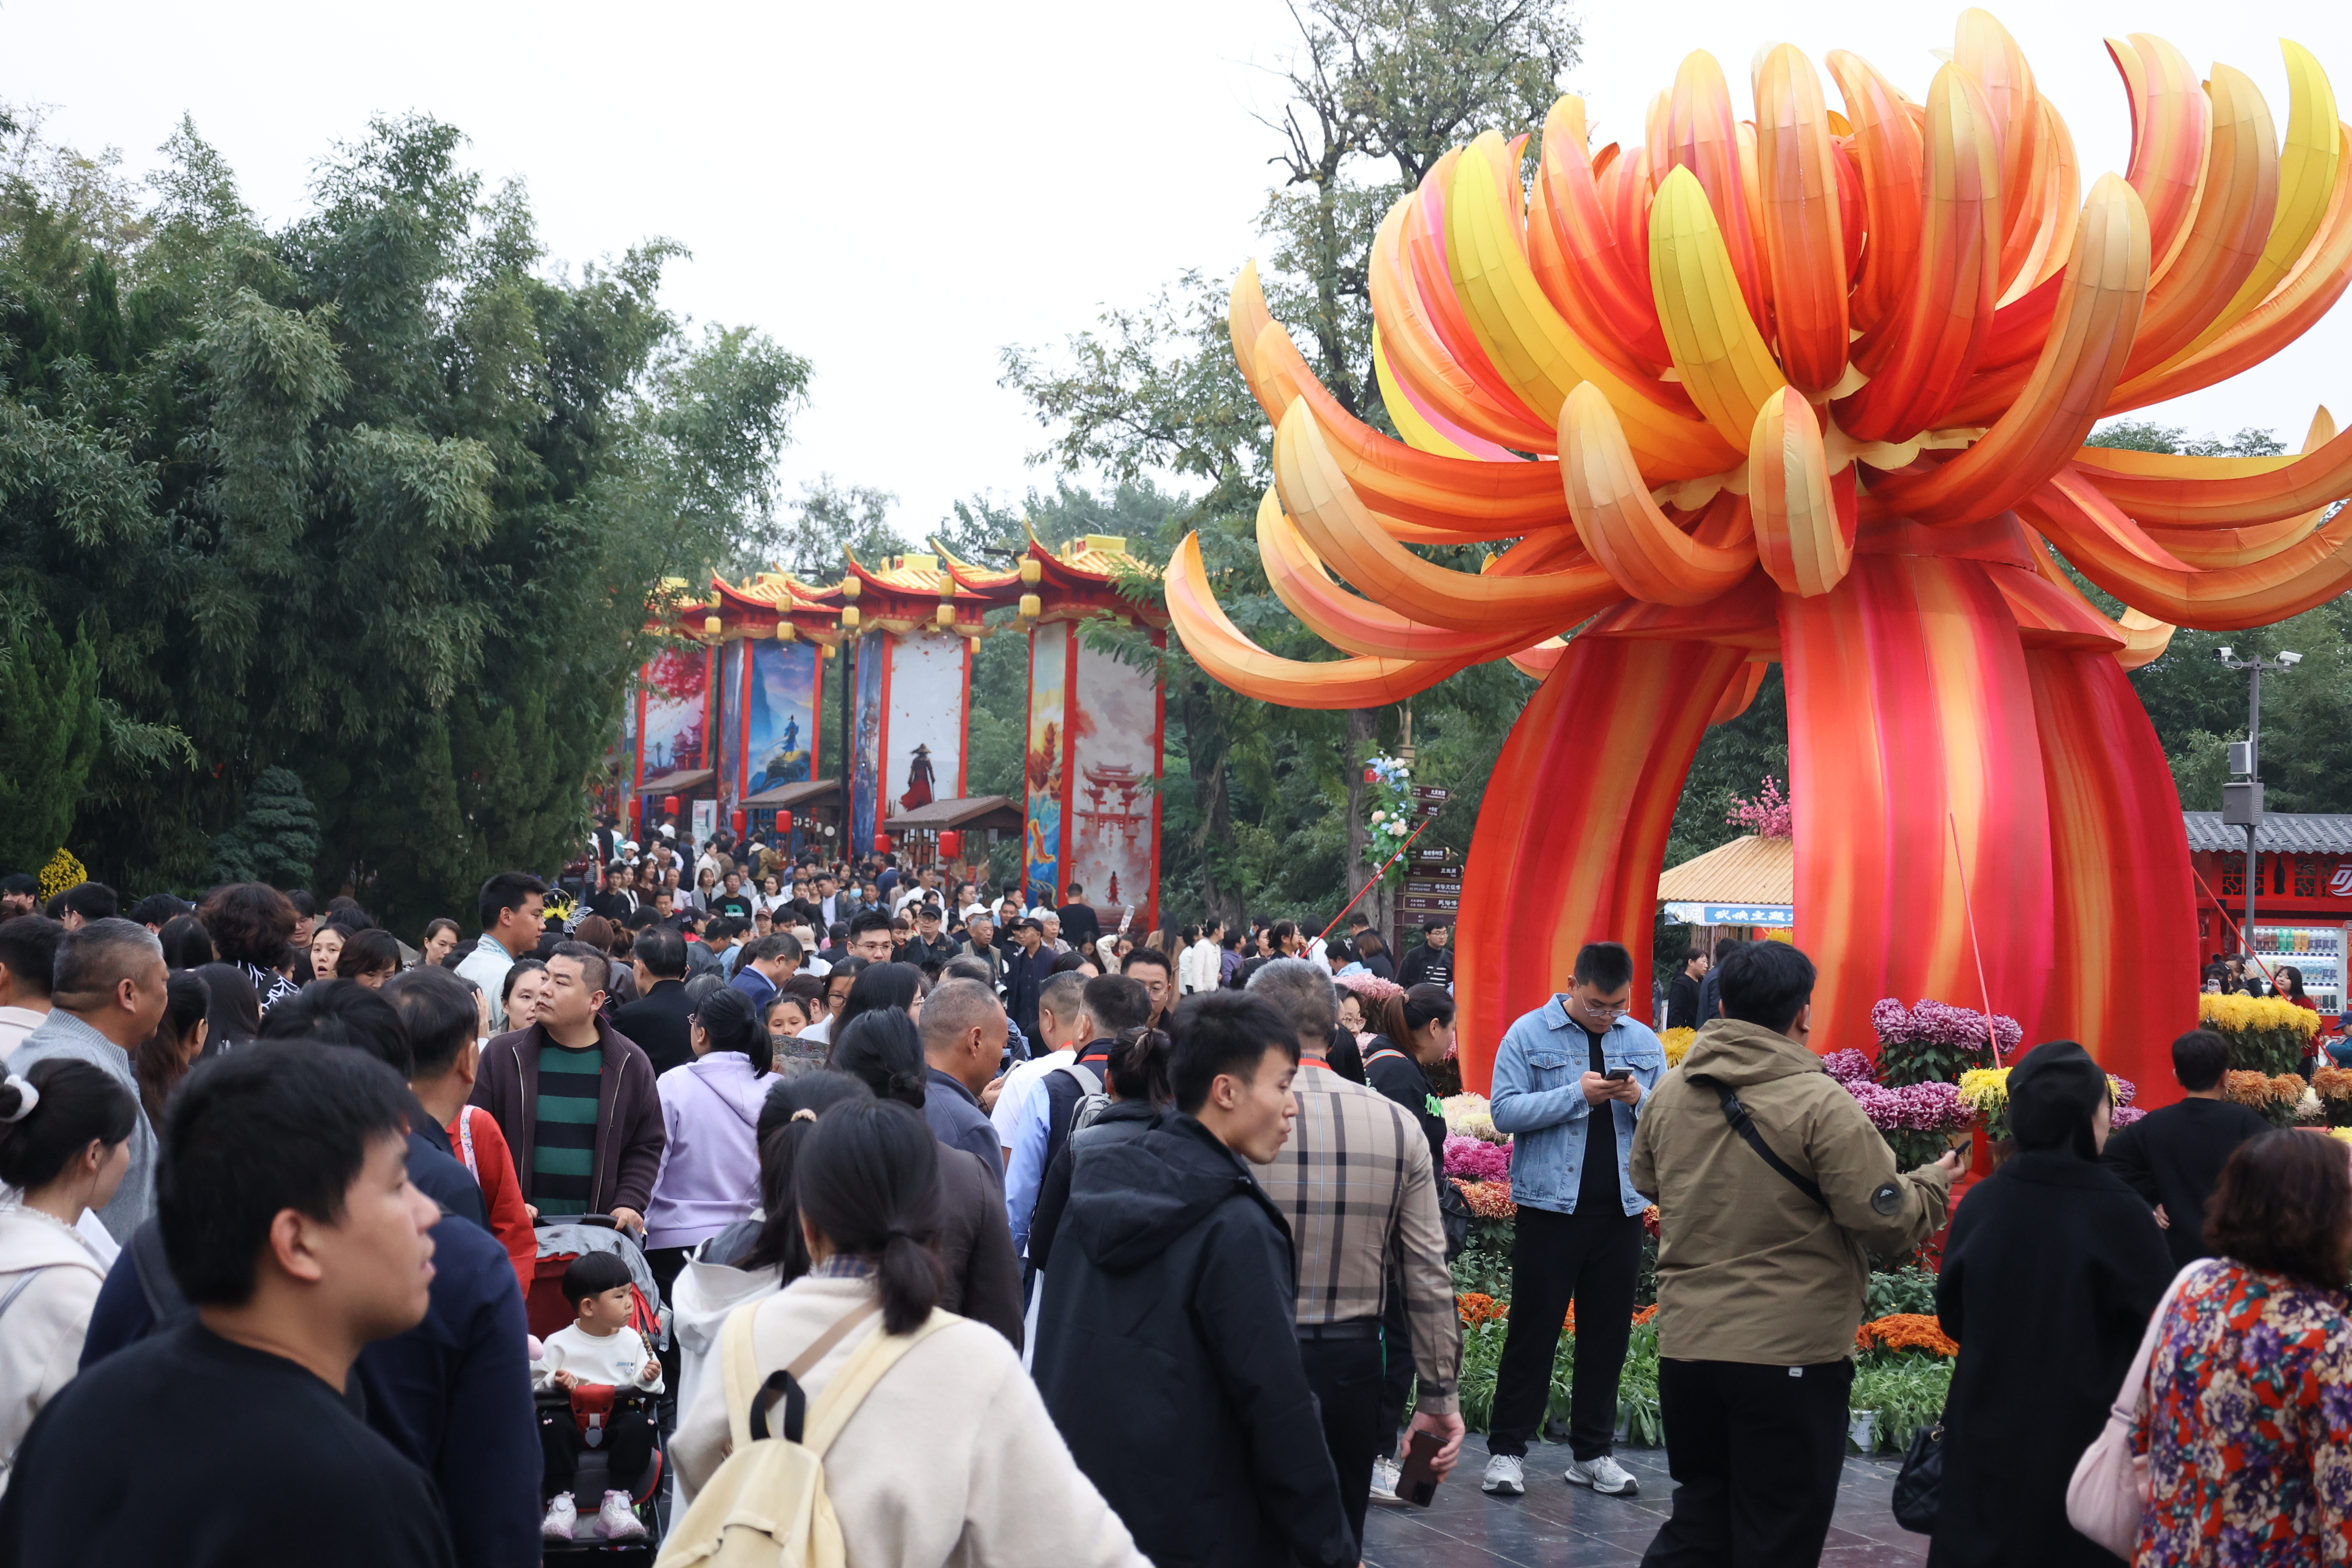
{"x": 783, "y": 822}
{"x": 736, "y": 818}
{"x": 881, "y": 843}
{"x": 669, "y": 805}
{"x": 785, "y": 632}
{"x": 1032, "y": 572}
{"x": 946, "y": 614}
{"x": 1031, "y": 606}
{"x": 710, "y": 625}
{"x": 951, "y": 844}
{"x": 849, "y": 618}
{"x": 636, "y": 813}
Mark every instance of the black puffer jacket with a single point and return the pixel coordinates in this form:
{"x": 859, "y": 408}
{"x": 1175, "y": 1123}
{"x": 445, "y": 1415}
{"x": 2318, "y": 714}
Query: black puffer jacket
{"x": 1174, "y": 1279}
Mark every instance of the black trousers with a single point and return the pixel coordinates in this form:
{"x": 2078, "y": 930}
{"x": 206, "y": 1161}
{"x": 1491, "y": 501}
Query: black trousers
{"x": 1594, "y": 1260}
{"x": 1346, "y": 1377}
{"x": 1755, "y": 1453}
{"x": 665, "y": 1264}
{"x": 1396, "y": 1369}
{"x": 628, "y": 1440}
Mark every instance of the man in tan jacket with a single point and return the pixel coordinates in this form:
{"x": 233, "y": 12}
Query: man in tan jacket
{"x": 1772, "y": 1188}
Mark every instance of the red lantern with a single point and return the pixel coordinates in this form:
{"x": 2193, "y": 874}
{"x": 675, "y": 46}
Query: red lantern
{"x": 881, "y": 843}
{"x": 950, "y": 844}
{"x": 739, "y": 816}
{"x": 783, "y": 822}
{"x": 669, "y": 805}
{"x": 636, "y": 813}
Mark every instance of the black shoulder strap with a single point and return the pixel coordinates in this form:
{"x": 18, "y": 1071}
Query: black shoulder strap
{"x": 1745, "y": 1125}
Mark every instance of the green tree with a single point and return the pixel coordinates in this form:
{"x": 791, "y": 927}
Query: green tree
{"x": 275, "y": 838}
{"x": 377, "y": 496}
{"x": 49, "y": 736}
{"x": 1264, "y": 811}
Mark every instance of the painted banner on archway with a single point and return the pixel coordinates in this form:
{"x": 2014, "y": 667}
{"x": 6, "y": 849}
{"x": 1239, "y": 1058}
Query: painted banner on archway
{"x": 1731, "y": 914}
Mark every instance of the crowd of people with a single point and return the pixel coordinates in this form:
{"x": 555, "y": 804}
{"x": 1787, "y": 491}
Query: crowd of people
{"x": 1060, "y": 1243}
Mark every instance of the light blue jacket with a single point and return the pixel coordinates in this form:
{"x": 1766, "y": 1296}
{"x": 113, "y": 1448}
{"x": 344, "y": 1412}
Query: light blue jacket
{"x": 1539, "y": 1100}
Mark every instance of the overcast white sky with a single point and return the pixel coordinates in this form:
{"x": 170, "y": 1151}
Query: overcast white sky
{"x": 898, "y": 192}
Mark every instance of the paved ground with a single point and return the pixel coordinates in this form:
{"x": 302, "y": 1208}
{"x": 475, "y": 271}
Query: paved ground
{"x": 1556, "y": 1525}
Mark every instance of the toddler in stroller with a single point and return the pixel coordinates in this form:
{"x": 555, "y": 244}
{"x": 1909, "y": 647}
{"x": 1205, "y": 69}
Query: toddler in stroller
{"x": 599, "y": 1384}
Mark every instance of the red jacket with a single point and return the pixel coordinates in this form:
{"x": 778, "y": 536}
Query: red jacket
{"x": 628, "y": 1113}
{"x": 482, "y": 1149}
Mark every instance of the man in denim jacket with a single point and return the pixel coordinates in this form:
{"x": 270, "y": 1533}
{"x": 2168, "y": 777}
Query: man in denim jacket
{"x": 1562, "y": 1069}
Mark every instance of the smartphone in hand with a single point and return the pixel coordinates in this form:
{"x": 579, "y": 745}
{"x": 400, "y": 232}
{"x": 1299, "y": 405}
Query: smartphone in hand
{"x": 1415, "y": 1484}
{"x": 1618, "y": 1075}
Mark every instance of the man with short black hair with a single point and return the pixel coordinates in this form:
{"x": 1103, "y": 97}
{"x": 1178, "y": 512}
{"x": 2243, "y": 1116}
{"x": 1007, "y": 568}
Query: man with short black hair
{"x": 512, "y": 906}
{"x": 1026, "y": 969}
{"x": 1775, "y": 1189}
{"x": 19, "y": 895}
{"x": 106, "y": 996}
{"x": 2173, "y": 1157}
{"x": 1148, "y": 967}
{"x": 1570, "y": 1080}
{"x": 83, "y": 902}
{"x": 28, "y": 956}
{"x": 1430, "y": 964}
{"x": 733, "y": 901}
{"x": 230, "y": 1439}
{"x": 767, "y": 964}
{"x": 1710, "y": 1002}
{"x": 1080, "y": 925}
{"x": 576, "y": 1100}
{"x": 1681, "y": 991}
{"x": 869, "y": 937}
{"x": 1173, "y": 1267}
{"x": 658, "y": 1021}
{"x": 153, "y": 910}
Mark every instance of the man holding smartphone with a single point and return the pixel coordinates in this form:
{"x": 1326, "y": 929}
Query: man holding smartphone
{"x": 1571, "y": 1079}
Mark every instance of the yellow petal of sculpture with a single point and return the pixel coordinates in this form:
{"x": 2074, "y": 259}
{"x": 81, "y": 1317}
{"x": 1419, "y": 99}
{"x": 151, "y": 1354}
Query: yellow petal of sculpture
{"x": 1814, "y": 387}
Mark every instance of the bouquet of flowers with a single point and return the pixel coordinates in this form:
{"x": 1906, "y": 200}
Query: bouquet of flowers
{"x": 1469, "y": 1115}
{"x": 1390, "y": 784}
{"x": 1905, "y": 1332}
{"x": 1476, "y": 1160}
{"x": 2276, "y": 1095}
{"x": 1936, "y": 1042}
{"x": 2266, "y": 1036}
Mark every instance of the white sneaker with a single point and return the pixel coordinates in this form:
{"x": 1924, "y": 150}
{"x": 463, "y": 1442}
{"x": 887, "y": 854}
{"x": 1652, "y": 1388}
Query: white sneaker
{"x": 562, "y": 1517}
{"x": 617, "y": 1521}
{"x": 1506, "y": 1475}
{"x": 1604, "y": 1474}
{"x": 1384, "y": 1481}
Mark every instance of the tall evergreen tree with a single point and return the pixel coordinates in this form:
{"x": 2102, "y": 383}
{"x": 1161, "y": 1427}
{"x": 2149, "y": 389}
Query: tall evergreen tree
{"x": 49, "y": 730}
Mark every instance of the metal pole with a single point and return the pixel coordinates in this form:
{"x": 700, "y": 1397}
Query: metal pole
{"x": 2255, "y": 771}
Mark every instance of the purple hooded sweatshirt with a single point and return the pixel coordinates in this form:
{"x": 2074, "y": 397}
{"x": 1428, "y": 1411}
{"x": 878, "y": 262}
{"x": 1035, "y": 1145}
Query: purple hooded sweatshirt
{"x": 710, "y": 1165}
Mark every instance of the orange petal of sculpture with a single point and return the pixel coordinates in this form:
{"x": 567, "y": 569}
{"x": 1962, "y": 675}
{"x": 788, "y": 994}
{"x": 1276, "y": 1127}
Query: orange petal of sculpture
{"x": 1811, "y": 388}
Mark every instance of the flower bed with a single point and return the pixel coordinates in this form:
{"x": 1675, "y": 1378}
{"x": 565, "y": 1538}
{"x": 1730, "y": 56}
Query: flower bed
{"x": 1905, "y": 1332}
{"x": 2266, "y": 1036}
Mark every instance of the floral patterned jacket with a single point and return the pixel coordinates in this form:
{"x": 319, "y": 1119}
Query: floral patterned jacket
{"x": 2248, "y": 1424}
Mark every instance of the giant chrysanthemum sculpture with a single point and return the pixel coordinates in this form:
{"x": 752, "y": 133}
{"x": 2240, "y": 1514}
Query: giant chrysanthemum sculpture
{"x": 1814, "y": 387}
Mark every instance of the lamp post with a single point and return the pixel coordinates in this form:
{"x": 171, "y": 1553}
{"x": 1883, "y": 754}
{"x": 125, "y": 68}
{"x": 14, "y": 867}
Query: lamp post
{"x": 2241, "y": 799}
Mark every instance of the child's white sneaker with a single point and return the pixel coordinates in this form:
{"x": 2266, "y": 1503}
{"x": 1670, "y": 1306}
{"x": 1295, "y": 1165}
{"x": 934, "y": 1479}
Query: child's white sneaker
{"x": 618, "y": 1520}
{"x": 563, "y": 1518}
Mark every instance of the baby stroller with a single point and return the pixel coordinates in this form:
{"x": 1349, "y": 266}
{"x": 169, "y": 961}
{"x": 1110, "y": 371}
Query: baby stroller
{"x": 560, "y": 1243}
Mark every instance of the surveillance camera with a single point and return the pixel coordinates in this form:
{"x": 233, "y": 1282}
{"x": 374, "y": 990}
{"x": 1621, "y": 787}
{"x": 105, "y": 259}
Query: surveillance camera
{"x": 2290, "y": 659}
{"x": 2225, "y": 654}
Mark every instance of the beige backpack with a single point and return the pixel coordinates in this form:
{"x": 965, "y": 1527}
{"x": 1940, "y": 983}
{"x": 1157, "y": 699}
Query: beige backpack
{"x": 766, "y": 1505}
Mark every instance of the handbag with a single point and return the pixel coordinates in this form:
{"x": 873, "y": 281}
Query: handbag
{"x": 1919, "y": 1484}
{"x": 2108, "y": 1494}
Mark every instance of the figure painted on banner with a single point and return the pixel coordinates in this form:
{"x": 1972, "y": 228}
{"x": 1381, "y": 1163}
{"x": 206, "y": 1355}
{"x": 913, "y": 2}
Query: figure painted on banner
{"x": 791, "y": 741}
{"x": 918, "y": 780}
